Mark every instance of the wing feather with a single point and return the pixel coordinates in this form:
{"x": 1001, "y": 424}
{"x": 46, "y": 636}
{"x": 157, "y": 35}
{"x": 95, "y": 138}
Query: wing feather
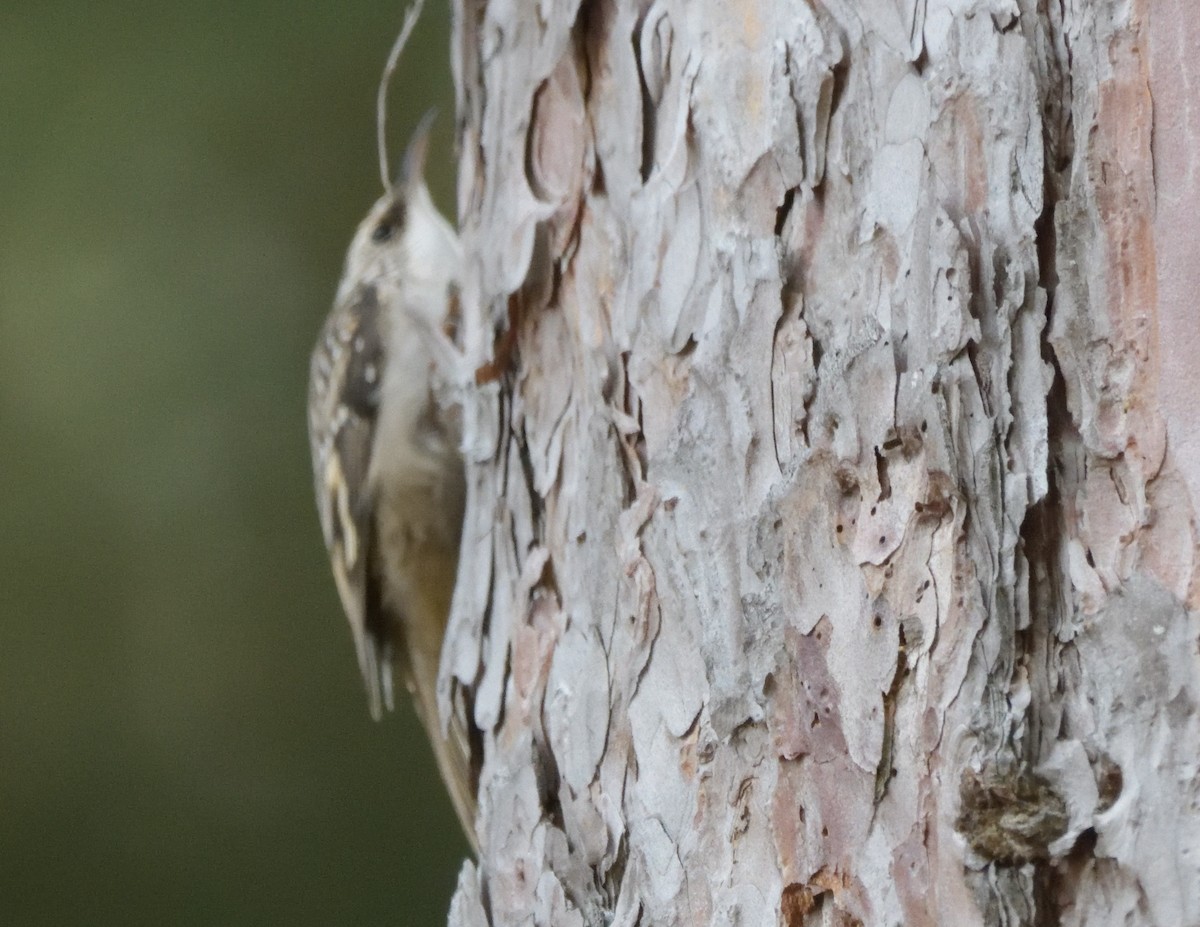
{"x": 343, "y": 407}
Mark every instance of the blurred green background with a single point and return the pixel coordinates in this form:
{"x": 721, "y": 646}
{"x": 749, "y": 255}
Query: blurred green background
{"x": 183, "y": 734}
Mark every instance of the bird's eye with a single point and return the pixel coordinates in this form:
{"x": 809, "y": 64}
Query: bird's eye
{"x": 391, "y": 221}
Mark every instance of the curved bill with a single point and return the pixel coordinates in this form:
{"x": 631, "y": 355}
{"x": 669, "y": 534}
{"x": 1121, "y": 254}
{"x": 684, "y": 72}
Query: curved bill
{"x": 412, "y": 167}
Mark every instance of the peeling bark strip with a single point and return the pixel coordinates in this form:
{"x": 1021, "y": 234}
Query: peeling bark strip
{"x": 826, "y": 561}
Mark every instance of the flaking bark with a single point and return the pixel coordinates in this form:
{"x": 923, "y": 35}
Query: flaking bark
{"x": 826, "y": 557}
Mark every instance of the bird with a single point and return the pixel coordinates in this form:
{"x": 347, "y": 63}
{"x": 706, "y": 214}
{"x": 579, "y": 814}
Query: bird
{"x": 388, "y": 475}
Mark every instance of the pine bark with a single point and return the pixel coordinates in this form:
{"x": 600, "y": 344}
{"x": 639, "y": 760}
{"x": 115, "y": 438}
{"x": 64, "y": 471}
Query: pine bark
{"x": 830, "y": 553}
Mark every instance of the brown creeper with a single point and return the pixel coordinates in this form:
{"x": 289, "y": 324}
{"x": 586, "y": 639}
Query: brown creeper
{"x": 388, "y": 475}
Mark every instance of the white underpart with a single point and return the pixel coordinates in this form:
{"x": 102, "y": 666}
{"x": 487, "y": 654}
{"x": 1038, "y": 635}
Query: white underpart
{"x": 416, "y": 341}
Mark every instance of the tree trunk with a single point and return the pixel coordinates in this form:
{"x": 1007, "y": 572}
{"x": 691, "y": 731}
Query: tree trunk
{"x": 826, "y": 560}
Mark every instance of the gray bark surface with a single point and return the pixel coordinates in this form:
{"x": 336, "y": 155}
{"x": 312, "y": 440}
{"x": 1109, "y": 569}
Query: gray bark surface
{"x": 826, "y": 559}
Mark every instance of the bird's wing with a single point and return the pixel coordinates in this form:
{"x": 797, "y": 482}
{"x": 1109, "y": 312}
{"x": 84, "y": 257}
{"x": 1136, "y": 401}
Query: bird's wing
{"x": 346, "y": 369}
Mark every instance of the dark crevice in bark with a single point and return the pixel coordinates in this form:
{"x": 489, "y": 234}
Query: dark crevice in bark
{"x": 536, "y": 505}
{"x": 587, "y": 35}
{"x": 515, "y": 440}
{"x": 631, "y": 456}
{"x": 1044, "y": 529}
{"x": 649, "y": 109}
{"x": 779, "y": 323}
{"x": 549, "y": 779}
{"x": 466, "y": 711}
{"x": 810, "y": 398}
{"x": 921, "y": 62}
{"x": 881, "y": 475}
{"x": 784, "y": 210}
{"x": 1043, "y": 540}
{"x": 841, "y": 74}
{"x": 884, "y": 770}
{"x": 485, "y": 901}
{"x": 504, "y": 427}
{"x": 614, "y": 878}
{"x": 593, "y": 23}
